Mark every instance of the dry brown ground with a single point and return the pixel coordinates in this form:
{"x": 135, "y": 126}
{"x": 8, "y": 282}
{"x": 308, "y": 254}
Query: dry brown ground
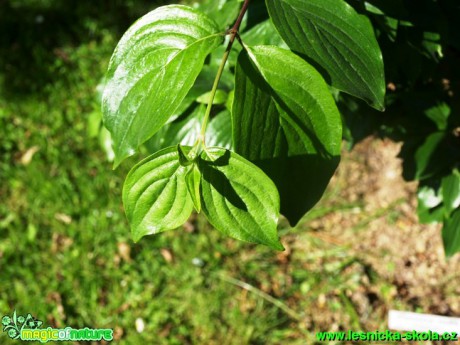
{"x": 399, "y": 264}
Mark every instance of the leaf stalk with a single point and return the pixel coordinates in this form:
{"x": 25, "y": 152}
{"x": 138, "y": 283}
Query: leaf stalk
{"x": 233, "y": 34}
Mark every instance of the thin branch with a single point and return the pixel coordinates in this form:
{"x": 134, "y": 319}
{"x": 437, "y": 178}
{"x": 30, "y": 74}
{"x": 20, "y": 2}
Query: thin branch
{"x": 233, "y": 34}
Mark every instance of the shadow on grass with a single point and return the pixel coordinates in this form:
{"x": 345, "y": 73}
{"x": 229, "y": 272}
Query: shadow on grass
{"x": 34, "y": 32}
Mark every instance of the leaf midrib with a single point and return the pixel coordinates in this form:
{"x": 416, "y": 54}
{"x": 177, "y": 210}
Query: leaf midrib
{"x": 160, "y": 69}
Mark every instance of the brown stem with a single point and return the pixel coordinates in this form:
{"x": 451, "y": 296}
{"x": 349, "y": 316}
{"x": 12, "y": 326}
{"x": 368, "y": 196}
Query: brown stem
{"x": 236, "y": 27}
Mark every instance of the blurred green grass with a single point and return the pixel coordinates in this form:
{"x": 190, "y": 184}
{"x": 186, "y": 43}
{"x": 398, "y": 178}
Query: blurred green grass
{"x": 65, "y": 252}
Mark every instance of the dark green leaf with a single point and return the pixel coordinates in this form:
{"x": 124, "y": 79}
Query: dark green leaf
{"x": 238, "y": 198}
{"x": 341, "y": 43}
{"x": 451, "y": 234}
{"x": 207, "y": 75}
{"x": 151, "y": 71}
{"x": 439, "y": 114}
{"x": 451, "y": 191}
{"x": 392, "y": 8}
{"x": 155, "y": 194}
{"x": 184, "y": 159}
{"x": 203, "y": 84}
{"x": 432, "y": 46}
{"x": 428, "y": 157}
{"x": 286, "y": 122}
{"x": 257, "y": 13}
{"x": 227, "y": 80}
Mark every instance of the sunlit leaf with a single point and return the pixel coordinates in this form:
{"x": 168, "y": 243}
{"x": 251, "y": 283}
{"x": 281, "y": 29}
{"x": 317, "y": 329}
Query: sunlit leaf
{"x": 224, "y": 12}
{"x": 193, "y": 179}
{"x": 219, "y": 131}
{"x": 429, "y": 205}
{"x": 184, "y": 130}
{"x": 155, "y": 194}
{"x": 151, "y": 71}
{"x": 339, "y": 41}
{"x": 238, "y": 198}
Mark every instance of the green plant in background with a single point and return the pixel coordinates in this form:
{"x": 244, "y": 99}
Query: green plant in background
{"x": 244, "y": 132}
{"x": 421, "y": 50}
{"x": 278, "y": 111}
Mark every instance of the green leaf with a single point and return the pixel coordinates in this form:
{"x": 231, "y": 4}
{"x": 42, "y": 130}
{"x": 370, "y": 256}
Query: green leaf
{"x": 151, "y": 71}
{"x": 219, "y": 98}
{"x": 106, "y": 143}
{"x": 430, "y": 157}
{"x": 451, "y": 234}
{"x": 94, "y": 124}
{"x": 439, "y": 114}
{"x": 429, "y": 205}
{"x": 451, "y": 191}
{"x": 342, "y": 44}
{"x": 184, "y": 130}
{"x": 155, "y": 194}
{"x": 219, "y": 131}
{"x": 238, "y": 198}
{"x": 184, "y": 159}
{"x": 286, "y": 122}
{"x": 193, "y": 179}
{"x": 224, "y": 12}
{"x": 263, "y": 34}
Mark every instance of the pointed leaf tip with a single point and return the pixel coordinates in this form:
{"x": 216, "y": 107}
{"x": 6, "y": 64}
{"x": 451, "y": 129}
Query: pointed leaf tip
{"x": 238, "y": 198}
{"x": 155, "y": 194}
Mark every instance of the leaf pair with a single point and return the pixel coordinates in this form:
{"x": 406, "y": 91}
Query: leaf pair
{"x": 237, "y": 197}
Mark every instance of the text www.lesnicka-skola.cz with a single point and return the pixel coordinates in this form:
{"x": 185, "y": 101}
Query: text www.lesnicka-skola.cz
{"x": 386, "y": 336}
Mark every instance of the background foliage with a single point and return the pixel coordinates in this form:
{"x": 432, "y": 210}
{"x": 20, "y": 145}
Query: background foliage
{"x": 420, "y": 46}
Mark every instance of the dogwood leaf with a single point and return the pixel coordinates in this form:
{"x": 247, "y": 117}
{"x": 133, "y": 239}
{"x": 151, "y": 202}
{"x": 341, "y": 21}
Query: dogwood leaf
{"x": 286, "y": 122}
{"x": 238, "y": 198}
{"x": 339, "y": 41}
{"x": 151, "y": 71}
{"x": 155, "y": 194}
